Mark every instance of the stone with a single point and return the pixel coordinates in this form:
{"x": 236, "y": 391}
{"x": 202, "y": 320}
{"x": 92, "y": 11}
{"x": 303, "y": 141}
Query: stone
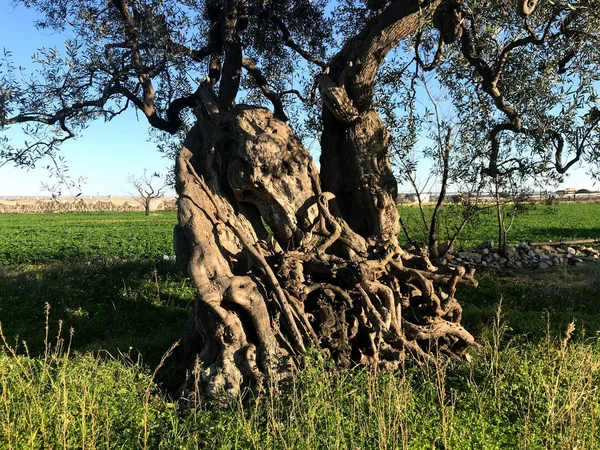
{"x": 543, "y": 266}
{"x": 475, "y": 257}
{"x": 485, "y": 251}
{"x": 571, "y": 251}
{"x": 486, "y": 244}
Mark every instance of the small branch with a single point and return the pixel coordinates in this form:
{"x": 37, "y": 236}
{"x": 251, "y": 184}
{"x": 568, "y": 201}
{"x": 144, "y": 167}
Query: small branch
{"x": 62, "y": 114}
{"x": 438, "y": 54}
{"x": 289, "y": 42}
{"x": 262, "y": 83}
{"x": 297, "y": 94}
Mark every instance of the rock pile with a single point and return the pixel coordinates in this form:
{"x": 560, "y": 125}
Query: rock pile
{"x": 522, "y": 255}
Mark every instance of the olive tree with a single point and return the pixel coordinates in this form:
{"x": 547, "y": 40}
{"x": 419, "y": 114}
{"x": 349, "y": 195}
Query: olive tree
{"x": 228, "y": 79}
{"x": 148, "y": 187}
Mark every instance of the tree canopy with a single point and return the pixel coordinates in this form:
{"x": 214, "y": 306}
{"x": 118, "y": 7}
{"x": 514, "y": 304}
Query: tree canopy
{"x": 524, "y": 77}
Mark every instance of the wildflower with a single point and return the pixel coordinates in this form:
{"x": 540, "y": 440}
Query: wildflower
{"x": 170, "y": 405}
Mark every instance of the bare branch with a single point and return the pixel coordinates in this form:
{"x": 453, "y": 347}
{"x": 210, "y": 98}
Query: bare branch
{"x": 146, "y": 191}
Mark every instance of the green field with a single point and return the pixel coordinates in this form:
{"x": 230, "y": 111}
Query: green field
{"x": 40, "y": 238}
{"x": 104, "y": 276}
{"x": 37, "y": 238}
{"x": 564, "y": 221}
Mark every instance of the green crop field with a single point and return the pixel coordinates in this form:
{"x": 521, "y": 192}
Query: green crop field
{"x": 39, "y": 238}
{"x": 35, "y": 238}
{"x": 534, "y": 383}
{"x": 564, "y": 221}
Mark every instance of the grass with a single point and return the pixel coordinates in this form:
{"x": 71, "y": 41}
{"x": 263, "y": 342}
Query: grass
{"x": 564, "y": 221}
{"x": 39, "y": 238}
{"x": 534, "y": 383}
{"x": 514, "y": 394}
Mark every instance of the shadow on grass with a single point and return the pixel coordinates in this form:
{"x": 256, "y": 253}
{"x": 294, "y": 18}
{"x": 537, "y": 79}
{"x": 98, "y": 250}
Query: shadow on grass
{"x": 136, "y": 308}
{"x": 535, "y": 302}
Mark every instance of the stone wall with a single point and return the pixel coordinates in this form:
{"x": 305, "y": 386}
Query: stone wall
{"x": 522, "y": 256}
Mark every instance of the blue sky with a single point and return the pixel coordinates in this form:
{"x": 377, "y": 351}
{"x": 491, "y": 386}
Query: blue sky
{"x": 105, "y": 153}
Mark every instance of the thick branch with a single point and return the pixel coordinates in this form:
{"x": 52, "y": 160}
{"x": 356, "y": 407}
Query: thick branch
{"x": 232, "y": 67}
{"x": 356, "y": 65}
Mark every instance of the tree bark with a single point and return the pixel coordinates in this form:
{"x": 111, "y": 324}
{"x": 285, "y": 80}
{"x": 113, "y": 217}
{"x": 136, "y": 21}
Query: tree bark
{"x": 354, "y": 146}
{"x": 264, "y": 299}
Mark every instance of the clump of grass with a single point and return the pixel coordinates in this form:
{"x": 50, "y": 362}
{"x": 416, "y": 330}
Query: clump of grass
{"x": 65, "y": 400}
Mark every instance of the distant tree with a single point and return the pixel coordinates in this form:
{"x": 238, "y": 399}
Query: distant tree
{"x": 333, "y": 274}
{"x": 148, "y": 187}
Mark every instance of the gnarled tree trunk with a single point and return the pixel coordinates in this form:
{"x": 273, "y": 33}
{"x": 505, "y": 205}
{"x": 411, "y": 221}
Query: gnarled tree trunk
{"x": 332, "y": 274}
{"x": 262, "y": 300}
